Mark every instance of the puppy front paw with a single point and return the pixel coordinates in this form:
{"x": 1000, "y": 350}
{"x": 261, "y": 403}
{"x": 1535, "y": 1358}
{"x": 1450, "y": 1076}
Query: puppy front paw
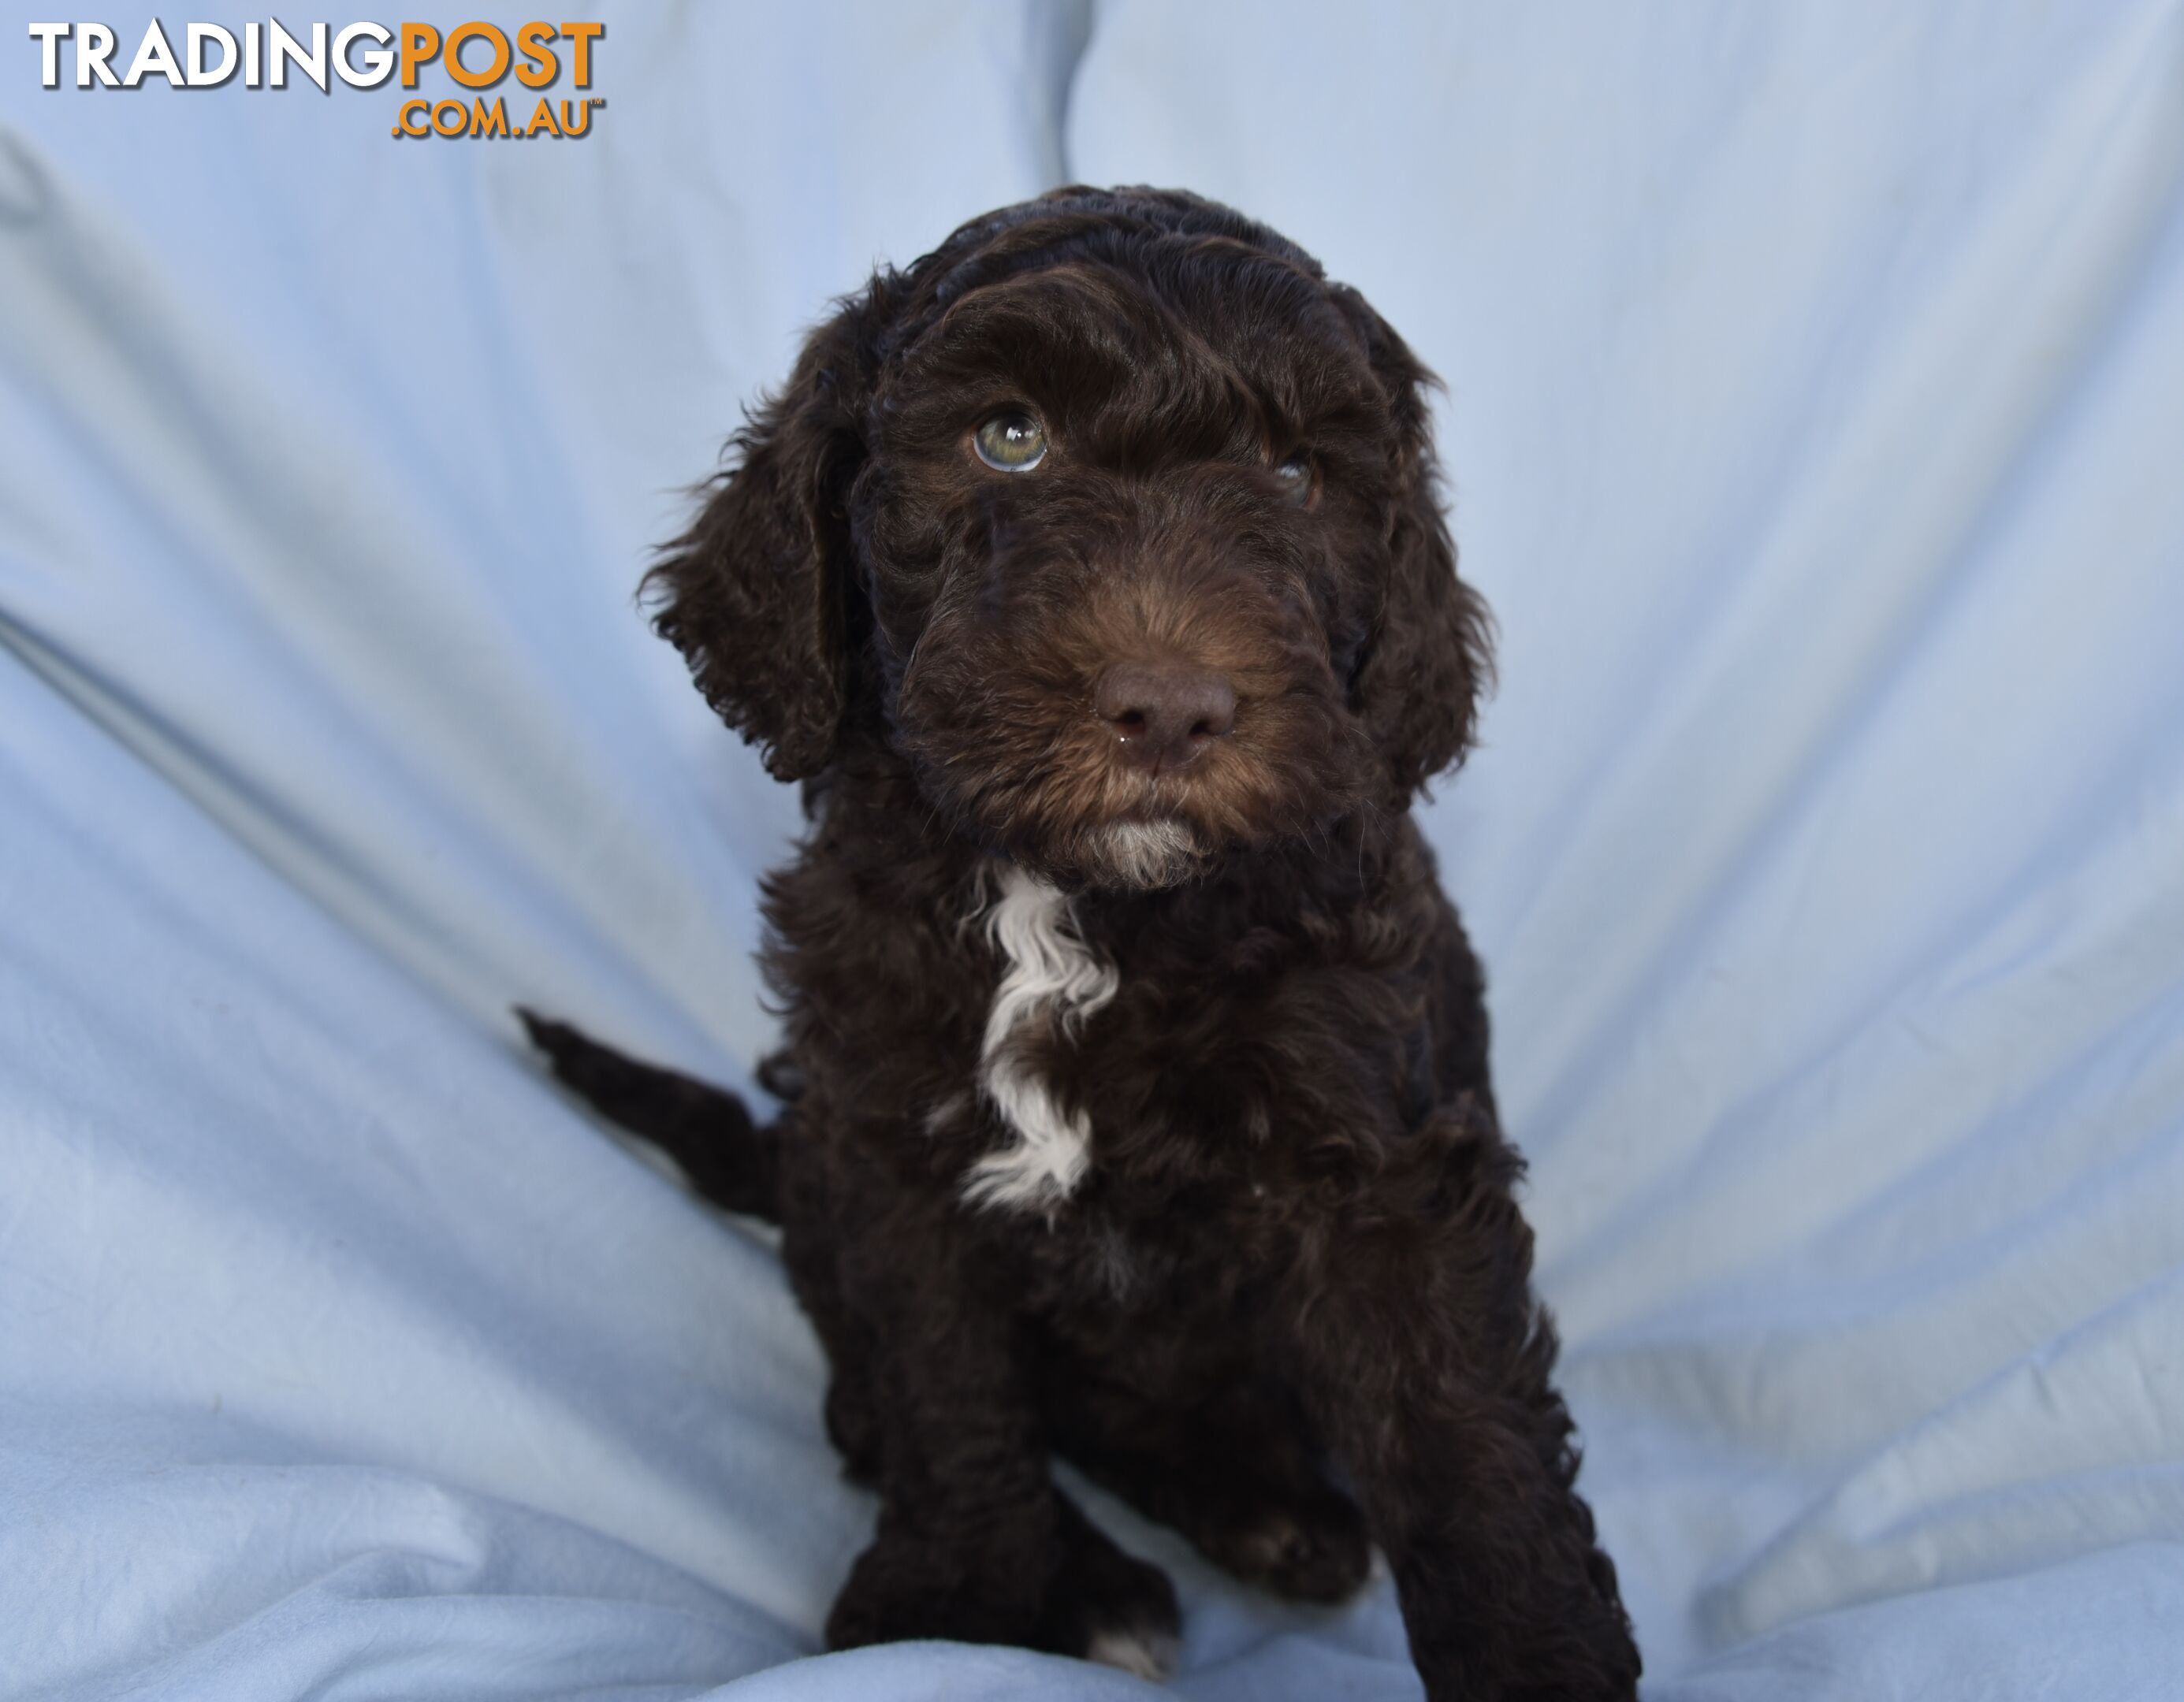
{"x": 904, "y": 1590}
{"x": 1109, "y": 1606}
{"x": 1095, "y": 1602}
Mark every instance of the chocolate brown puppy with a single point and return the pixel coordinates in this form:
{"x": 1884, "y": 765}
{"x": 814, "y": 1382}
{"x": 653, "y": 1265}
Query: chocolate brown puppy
{"x": 1090, "y": 576}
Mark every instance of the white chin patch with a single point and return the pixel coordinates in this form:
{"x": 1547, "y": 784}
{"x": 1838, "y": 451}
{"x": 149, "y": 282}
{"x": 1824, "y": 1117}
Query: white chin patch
{"x": 1052, "y": 977}
{"x": 1146, "y": 854}
{"x": 1150, "y": 1654}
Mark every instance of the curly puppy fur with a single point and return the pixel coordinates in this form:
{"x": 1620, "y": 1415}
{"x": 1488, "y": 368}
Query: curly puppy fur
{"x": 1135, "y": 1090}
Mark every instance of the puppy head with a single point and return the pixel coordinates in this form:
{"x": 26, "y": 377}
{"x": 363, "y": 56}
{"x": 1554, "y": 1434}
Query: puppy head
{"x": 1115, "y": 519}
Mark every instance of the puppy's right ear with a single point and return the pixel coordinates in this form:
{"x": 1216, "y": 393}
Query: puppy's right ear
{"x": 753, "y": 595}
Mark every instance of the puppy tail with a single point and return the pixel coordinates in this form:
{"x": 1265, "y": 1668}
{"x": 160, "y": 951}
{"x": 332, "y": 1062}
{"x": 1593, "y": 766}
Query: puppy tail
{"x": 706, "y": 1130}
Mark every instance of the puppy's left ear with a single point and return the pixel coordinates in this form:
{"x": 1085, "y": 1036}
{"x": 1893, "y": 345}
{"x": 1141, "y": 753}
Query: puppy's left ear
{"x": 1430, "y": 657}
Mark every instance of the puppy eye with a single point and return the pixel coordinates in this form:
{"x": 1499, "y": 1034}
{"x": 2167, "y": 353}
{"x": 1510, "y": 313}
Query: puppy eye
{"x": 1011, "y": 442}
{"x": 1294, "y": 475}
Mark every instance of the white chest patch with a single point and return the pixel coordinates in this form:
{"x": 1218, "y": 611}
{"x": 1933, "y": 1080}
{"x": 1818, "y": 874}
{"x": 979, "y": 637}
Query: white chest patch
{"x": 1050, "y": 976}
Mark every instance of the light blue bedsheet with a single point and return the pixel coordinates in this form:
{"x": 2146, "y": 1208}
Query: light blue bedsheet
{"x": 1816, "y": 420}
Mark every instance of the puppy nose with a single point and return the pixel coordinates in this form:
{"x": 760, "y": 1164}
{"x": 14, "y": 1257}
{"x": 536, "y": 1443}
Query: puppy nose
{"x": 1165, "y": 713}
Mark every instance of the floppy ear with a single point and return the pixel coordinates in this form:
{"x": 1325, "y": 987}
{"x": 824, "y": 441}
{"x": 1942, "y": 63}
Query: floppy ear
{"x": 754, "y": 594}
{"x": 1430, "y": 657}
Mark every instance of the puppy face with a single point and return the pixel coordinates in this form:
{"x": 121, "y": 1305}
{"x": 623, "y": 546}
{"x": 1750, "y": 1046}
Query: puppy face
{"x": 1117, "y": 522}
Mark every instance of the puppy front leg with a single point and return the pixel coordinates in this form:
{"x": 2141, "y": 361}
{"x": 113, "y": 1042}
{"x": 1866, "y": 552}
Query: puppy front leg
{"x": 1427, "y": 1364}
{"x": 969, "y": 1540}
